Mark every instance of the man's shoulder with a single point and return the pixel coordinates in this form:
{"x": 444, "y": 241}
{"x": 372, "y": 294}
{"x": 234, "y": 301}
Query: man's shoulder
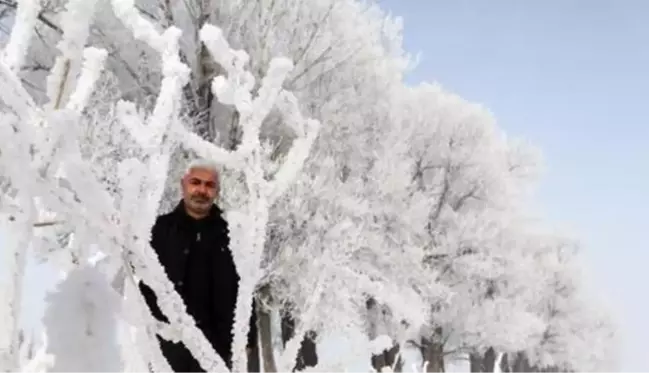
{"x": 220, "y": 219}
{"x": 160, "y": 231}
{"x": 164, "y": 220}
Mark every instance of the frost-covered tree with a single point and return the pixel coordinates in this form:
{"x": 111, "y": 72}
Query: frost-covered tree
{"x": 100, "y": 214}
{"x": 364, "y": 185}
{"x": 577, "y": 333}
{"x": 403, "y": 219}
{"x": 44, "y": 160}
{"x": 474, "y": 182}
{"x": 346, "y": 52}
{"x": 332, "y": 64}
{"x": 461, "y": 170}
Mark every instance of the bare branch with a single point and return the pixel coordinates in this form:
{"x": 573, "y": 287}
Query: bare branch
{"x": 47, "y": 223}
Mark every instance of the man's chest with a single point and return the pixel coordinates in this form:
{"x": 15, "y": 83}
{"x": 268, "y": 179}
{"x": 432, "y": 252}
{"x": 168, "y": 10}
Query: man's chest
{"x": 196, "y": 249}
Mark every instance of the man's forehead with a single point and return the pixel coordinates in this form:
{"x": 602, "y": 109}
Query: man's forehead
{"x": 203, "y": 174}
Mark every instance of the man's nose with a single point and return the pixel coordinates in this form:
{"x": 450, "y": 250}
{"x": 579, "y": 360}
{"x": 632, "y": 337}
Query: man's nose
{"x": 202, "y": 188}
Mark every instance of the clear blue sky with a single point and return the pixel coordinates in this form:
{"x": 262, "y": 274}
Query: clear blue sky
{"x": 573, "y": 77}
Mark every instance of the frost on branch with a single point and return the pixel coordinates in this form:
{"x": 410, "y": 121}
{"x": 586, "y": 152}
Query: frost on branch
{"x": 49, "y": 141}
{"x": 247, "y": 244}
{"x": 40, "y": 361}
{"x": 16, "y": 50}
{"x": 88, "y": 341}
{"x": 18, "y": 224}
{"x": 157, "y": 145}
{"x": 248, "y": 224}
{"x": 358, "y": 226}
{"x": 76, "y": 27}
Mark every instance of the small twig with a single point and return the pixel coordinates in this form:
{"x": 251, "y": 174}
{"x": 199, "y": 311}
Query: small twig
{"x": 66, "y": 73}
{"x": 46, "y": 223}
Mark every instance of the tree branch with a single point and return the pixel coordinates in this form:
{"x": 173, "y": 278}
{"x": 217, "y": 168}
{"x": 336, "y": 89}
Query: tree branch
{"x": 47, "y": 223}
{"x": 41, "y": 17}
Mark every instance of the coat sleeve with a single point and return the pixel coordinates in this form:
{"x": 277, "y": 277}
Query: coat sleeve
{"x": 151, "y": 302}
{"x": 147, "y": 292}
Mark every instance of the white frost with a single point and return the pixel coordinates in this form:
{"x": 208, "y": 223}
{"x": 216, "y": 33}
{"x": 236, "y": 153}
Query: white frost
{"x": 82, "y": 317}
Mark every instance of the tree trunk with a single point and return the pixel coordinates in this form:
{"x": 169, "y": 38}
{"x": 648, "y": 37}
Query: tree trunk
{"x": 211, "y": 119}
{"x": 252, "y": 352}
{"x": 475, "y": 362}
{"x": 504, "y": 363}
{"x": 388, "y": 359}
{"x": 432, "y": 352}
{"x": 203, "y": 98}
{"x": 253, "y": 358}
{"x": 521, "y": 363}
{"x": 307, "y": 355}
{"x": 265, "y": 337}
{"x": 489, "y": 361}
{"x": 480, "y": 363}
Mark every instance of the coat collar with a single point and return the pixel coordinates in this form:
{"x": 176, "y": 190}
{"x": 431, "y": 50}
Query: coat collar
{"x": 214, "y": 215}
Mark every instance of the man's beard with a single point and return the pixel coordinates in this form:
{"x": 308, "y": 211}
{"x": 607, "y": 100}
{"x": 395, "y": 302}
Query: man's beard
{"x": 200, "y": 200}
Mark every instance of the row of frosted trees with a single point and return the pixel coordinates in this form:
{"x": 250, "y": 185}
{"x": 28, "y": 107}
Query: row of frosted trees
{"x": 358, "y": 205}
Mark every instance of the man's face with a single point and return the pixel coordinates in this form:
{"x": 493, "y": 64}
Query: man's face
{"x": 200, "y": 189}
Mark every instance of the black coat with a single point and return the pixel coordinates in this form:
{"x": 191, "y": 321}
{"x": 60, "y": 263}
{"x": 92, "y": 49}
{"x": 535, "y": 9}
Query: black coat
{"x": 197, "y": 259}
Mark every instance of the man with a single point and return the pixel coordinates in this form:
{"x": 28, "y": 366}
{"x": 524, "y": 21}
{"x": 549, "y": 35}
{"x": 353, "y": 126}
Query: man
{"x": 192, "y": 245}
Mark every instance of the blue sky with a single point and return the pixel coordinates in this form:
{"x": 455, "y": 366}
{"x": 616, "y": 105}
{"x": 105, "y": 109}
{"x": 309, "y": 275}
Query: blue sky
{"x": 573, "y": 77}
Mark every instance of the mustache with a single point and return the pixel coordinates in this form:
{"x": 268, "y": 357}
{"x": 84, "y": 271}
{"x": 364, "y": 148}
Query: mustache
{"x": 199, "y": 197}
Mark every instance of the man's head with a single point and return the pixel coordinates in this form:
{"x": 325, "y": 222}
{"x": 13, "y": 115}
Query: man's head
{"x": 200, "y": 186}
